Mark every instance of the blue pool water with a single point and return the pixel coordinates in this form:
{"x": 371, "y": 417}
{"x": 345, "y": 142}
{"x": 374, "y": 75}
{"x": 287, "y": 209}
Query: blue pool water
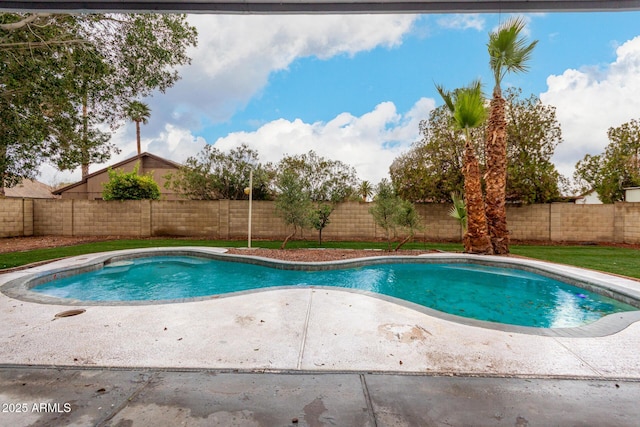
{"x": 486, "y": 293}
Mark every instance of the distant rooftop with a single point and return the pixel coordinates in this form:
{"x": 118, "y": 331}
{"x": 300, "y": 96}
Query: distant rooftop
{"x": 30, "y": 189}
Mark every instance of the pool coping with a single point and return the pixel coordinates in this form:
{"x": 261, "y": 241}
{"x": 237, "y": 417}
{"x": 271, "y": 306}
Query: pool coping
{"x": 17, "y": 285}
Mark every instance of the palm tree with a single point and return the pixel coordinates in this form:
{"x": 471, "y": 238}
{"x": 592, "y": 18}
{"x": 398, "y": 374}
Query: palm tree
{"x": 468, "y": 112}
{"x": 138, "y": 112}
{"x": 508, "y": 52}
{"x": 365, "y": 190}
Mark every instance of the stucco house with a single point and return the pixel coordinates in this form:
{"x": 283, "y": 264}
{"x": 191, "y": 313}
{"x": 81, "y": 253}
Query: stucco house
{"x": 632, "y": 194}
{"x": 588, "y": 198}
{"x": 90, "y": 188}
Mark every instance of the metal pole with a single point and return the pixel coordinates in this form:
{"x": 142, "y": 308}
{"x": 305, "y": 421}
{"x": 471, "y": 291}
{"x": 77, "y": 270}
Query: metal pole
{"x": 250, "y": 200}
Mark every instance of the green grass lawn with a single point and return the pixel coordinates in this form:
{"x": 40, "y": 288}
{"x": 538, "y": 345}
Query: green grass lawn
{"x": 621, "y": 261}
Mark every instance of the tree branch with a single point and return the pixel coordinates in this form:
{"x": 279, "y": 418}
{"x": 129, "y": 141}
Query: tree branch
{"x": 23, "y": 23}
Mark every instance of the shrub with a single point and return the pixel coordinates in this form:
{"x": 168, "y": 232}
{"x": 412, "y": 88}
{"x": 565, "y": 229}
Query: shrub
{"x": 130, "y": 186}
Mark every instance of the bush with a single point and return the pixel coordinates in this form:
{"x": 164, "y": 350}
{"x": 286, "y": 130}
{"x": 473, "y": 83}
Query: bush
{"x": 130, "y": 186}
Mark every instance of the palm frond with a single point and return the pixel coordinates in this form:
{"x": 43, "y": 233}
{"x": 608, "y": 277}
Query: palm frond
{"x": 509, "y": 50}
{"x": 459, "y": 210}
{"x": 469, "y": 111}
{"x": 447, "y": 97}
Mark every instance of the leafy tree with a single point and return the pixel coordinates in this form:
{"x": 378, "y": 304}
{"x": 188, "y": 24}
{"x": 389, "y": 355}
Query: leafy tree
{"x": 432, "y": 169}
{"x": 325, "y": 179}
{"x": 293, "y": 202}
{"x": 214, "y": 174}
{"x": 384, "y": 209}
{"x": 33, "y": 114}
{"x": 83, "y": 69}
{"x": 509, "y": 52}
{"x": 468, "y": 112}
{"x": 407, "y": 218}
{"x": 618, "y": 167}
{"x": 327, "y": 182}
{"x": 533, "y": 133}
{"x": 138, "y": 112}
{"x": 130, "y": 186}
{"x": 390, "y": 212}
{"x": 319, "y": 218}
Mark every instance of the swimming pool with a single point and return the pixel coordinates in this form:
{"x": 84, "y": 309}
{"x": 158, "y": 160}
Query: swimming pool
{"x": 504, "y": 295}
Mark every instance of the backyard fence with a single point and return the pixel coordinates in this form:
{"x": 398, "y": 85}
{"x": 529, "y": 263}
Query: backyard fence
{"x": 228, "y": 219}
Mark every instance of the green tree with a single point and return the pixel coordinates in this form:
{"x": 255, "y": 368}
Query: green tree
{"x": 509, "y": 52}
{"x": 130, "y": 186}
{"x": 327, "y": 182}
{"x": 33, "y": 112}
{"x": 468, "y": 112}
{"x": 319, "y": 218}
{"x": 618, "y": 167}
{"x": 533, "y": 133}
{"x": 408, "y": 219}
{"x": 214, "y": 174}
{"x": 432, "y": 169}
{"x": 293, "y": 202}
{"x": 325, "y": 179}
{"x": 138, "y": 112}
{"x": 83, "y": 70}
{"x": 390, "y": 212}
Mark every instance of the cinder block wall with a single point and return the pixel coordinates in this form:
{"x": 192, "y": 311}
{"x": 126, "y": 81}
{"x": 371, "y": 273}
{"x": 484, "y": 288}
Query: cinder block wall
{"x": 529, "y": 222}
{"x": 49, "y": 216}
{"x": 224, "y": 219}
{"x": 185, "y": 218}
{"x": 571, "y": 222}
{"x": 16, "y": 217}
{"x": 104, "y": 218}
{"x": 631, "y": 215}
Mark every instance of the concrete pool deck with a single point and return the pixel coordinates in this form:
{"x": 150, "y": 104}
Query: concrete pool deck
{"x": 287, "y": 329}
{"x": 298, "y": 331}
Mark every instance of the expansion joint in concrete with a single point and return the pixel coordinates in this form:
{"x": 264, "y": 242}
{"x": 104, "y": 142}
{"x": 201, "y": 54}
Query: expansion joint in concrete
{"x": 304, "y": 331}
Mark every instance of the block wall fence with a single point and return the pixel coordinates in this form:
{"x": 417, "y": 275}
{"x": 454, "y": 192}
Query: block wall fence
{"x": 228, "y": 219}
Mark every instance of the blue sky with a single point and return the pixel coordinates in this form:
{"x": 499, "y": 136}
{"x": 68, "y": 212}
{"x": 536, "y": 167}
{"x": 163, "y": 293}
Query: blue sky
{"x": 354, "y": 87}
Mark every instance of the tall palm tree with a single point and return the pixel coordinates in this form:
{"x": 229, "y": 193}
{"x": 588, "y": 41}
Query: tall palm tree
{"x": 509, "y": 52}
{"x": 468, "y": 112}
{"x": 138, "y": 112}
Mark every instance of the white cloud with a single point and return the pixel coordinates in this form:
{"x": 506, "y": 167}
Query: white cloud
{"x": 236, "y": 54}
{"x": 463, "y": 21}
{"x": 173, "y": 143}
{"x": 369, "y": 142}
{"x": 591, "y": 100}
{"x": 232, "y": 63}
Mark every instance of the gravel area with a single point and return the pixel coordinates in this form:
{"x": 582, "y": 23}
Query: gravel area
{"x": 318, "y": 255}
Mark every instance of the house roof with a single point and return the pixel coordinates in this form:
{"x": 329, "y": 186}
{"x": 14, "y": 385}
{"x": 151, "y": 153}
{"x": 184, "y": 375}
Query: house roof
{"x": 140, "y": 156}
{"x": 30, "y": 189}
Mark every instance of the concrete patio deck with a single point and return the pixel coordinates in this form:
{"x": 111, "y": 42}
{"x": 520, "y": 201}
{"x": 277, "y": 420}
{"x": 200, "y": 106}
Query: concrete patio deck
{"x": 312, "y": 330}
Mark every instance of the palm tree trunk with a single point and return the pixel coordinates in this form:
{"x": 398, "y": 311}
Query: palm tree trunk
{"x": 476, "y": 239}
{"x": 138, "y": 135}
{"x": 496, "y": 177}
